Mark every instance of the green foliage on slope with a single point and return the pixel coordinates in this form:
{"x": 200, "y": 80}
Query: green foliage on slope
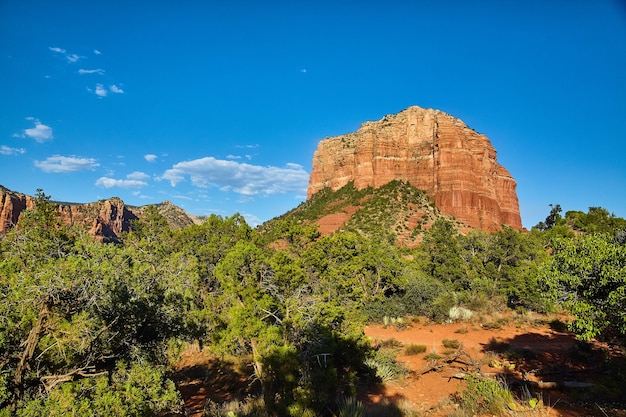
{"x": 396, "y": 211}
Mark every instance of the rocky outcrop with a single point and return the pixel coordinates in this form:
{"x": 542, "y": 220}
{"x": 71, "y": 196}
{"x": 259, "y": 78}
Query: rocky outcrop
{"x": 11, "y": 205}
{"x": 104, "y": 219}
{"x": 431, "y": 150}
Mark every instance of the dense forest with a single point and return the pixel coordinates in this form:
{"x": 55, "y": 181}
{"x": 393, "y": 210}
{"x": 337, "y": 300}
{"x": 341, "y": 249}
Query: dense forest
{"x": 92, "y": 329}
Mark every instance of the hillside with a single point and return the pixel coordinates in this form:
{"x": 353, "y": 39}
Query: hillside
{"x": 396, "y": 209}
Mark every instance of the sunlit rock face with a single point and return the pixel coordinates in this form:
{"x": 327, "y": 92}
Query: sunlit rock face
{"x": 11, "y": 205}
{"x": 431, "y": 150}
{"x": 106, "y": 219}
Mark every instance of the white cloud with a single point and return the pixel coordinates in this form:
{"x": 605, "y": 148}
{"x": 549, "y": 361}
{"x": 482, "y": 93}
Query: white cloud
{"x": 99, "y": 71}
{"x": 64, "y": 164}
{"x": 133, "y": 180}
{"x": 70, "y": 57}
{"x": 251, "y": 219}
{"x": 5, "y": 150}
{"x": 150, "y": 157}
{"x": 107, "y": 182}
{"x": 233, "y": 157}
{"x": 138, "y": 175}
{"x": 242, "y": 178}
{"x": 41, "y": 133}
{"x": 96, "y": 52}
{"x": 100, "y": 90}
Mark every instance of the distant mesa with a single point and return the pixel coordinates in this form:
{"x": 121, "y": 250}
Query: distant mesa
{"x": 104, "y": 219}
{"x": 430, "y": 150}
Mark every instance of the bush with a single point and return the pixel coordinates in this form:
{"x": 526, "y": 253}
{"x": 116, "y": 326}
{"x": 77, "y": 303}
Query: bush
{"x": 414, "y": 349}
{"x": 451, "y": 343}
{"x": 386, "y": 367}
{"x": 486, "y": 396}
{"x": 350, "y": 407}
{"x": 432, "y": 356}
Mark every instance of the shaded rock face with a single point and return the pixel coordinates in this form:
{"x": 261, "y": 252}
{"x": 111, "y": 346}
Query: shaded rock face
{"x": 432, "y": 151}
{"x": 104, "y": 219}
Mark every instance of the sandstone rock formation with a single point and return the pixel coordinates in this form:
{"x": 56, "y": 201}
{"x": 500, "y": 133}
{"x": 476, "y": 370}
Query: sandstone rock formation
{"x": 432, "y": 151}
{"x": 11, "y": 205}
{"x": 104, "y": 219}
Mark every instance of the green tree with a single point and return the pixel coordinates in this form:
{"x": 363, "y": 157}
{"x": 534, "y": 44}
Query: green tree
{"x": 596, "y": 220}
{"x": 553, "y": 219}
{"x": 589, "y": 274}
{"x": 79, "y": 311}
{"x": 440, "y": 254}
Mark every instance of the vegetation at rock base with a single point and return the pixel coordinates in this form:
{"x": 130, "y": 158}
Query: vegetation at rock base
{"x": 93, "y": 329}
{"x": 396, "y": 212}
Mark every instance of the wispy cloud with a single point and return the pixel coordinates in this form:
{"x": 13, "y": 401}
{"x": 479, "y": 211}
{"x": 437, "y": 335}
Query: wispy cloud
{"x": 98, "y": 71}
{"x": 96, "y": 52}
{"x": 138, "y": 175}
{"x": 41, "y": 133}
{"x": 242, "y": 178}
{"x": 115, "y": 89}
{"x": 65, "y": 164}
{"x": 5, "y": 150}
{"x": 150, "y": 157}
{"x": 70, "y": 57}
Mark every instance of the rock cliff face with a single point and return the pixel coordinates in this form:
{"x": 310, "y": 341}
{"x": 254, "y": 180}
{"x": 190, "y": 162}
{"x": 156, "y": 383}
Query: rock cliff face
{"x": 432, "y": 151}
{"x": 104, "y": 219}
{"x": 11, "y": 205}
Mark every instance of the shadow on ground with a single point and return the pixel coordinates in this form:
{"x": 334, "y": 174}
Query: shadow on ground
{"x": 576, "y": 378}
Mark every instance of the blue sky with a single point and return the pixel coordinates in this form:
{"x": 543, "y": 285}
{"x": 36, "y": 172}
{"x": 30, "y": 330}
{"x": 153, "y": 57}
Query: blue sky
{"x": 219, "y": 106}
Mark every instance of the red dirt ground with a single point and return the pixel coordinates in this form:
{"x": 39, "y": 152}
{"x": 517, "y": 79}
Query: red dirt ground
{"x": 201, "y": 377}
{"x": 432, "y": 391}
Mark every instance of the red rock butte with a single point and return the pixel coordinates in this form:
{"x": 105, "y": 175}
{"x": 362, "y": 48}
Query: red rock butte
{"x": 431, "y": 150}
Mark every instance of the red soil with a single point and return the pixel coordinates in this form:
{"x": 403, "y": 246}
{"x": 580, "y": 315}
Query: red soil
{"x": 430, "y": 392}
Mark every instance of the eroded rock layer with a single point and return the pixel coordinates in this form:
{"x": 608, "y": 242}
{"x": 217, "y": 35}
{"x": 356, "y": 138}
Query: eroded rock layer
{"x": 432, "y": 151}
{"x": 104, "y": 219}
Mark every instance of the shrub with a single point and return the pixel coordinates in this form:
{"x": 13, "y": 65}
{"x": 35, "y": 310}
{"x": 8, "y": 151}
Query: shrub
{"x": 414, "y": 349}
{"x": 350, "y": 407}
{"x": 484, "y": 395}
{"x": 451, "y": 343}
{"x": 386, "y": 367}
{"x": 432, "y": 356}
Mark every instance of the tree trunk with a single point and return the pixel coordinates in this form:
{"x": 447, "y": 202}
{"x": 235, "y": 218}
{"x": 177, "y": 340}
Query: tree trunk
{"x": 31, "y": 344}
